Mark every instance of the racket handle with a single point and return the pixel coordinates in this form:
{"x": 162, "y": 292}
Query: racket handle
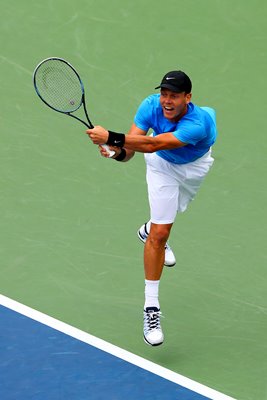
{"x": 111, "y": 152}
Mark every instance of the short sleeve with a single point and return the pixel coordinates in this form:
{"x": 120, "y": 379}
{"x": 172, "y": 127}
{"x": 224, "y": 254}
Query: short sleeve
{"x": 142, "y": 117}
{"x": 190, "y": 133}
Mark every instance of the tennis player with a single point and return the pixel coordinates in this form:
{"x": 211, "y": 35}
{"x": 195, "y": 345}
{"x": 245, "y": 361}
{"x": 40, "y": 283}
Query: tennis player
{"x": 178, "y": 157}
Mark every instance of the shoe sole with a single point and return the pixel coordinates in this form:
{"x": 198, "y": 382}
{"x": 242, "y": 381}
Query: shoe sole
{"x": 143, "y": 241}
{"x": 150, "y": 344}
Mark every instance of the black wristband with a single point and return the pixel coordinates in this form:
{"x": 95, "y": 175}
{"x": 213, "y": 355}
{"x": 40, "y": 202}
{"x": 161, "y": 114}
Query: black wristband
{"x": 121, "y": 156}
{"x": 116, "y": 139}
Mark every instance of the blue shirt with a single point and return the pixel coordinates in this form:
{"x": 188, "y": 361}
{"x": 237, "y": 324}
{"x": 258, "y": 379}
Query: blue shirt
{"x": 197, "y": 128}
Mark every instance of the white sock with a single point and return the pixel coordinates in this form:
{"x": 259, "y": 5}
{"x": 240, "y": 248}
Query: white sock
{"x": 151, "y": 294}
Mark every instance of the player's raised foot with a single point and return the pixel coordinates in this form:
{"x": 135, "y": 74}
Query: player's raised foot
{"x": 153, "y": 334}
{"x": 170, "y": 260}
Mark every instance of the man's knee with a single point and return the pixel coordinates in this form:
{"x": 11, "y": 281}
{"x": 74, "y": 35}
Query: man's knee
{"x": 159, "y": 233}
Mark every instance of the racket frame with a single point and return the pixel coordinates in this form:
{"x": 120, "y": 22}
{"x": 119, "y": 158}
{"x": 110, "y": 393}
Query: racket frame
{"x": 88, "y": 124}
{"x": 82, "y": 102}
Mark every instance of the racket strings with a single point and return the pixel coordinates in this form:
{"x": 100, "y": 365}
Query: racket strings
{"x": 59, "y": 85}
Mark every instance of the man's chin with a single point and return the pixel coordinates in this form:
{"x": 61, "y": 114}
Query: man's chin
{"x": 171, "y": 116}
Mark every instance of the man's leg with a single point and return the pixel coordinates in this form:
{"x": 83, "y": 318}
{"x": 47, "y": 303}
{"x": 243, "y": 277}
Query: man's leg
{"x": 143, "y": 233}
{"x": 154, "y": 255}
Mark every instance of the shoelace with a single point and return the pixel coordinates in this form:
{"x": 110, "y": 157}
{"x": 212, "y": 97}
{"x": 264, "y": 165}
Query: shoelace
{"x": 152, "y": 319}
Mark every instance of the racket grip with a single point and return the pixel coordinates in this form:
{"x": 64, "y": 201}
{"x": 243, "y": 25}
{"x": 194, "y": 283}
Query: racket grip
{"x": 111, "y": 152}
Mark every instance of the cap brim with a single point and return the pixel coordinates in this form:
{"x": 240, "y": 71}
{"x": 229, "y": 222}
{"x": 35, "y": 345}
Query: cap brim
{"x": 170, "y": 87}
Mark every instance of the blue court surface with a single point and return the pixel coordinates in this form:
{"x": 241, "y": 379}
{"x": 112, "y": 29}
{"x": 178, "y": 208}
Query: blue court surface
{"x": 40, "y": 362}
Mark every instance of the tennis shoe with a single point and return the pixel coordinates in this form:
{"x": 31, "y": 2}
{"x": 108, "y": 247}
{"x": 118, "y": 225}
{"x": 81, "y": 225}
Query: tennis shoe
{"x": 153, "y": 334}
{"x": 170, "y": 260}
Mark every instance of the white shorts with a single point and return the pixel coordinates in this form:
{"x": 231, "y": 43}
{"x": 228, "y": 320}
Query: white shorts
{"x": 171, "y": 187}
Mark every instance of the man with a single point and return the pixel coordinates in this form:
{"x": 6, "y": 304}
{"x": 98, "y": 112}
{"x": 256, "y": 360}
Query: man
{"x": 178, "y": 157}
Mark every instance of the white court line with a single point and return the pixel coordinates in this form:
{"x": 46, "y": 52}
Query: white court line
{"x": 112, "y": 349}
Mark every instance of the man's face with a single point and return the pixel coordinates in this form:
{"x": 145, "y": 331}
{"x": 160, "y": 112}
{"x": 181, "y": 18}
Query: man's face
{"x": 174, "y": 105}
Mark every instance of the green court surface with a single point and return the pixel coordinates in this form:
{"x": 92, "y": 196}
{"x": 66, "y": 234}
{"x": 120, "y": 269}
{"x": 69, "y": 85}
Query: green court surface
{"x": 69, "y": 217}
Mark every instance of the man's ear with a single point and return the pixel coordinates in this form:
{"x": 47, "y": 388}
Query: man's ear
{"x": 188, "y": 97}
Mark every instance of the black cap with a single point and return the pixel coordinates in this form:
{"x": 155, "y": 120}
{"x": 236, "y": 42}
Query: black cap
{"x": 176, "y": 81}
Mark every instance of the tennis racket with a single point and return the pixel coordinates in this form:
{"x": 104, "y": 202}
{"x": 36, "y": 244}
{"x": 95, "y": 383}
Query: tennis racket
{"x": 60, "y": 87}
